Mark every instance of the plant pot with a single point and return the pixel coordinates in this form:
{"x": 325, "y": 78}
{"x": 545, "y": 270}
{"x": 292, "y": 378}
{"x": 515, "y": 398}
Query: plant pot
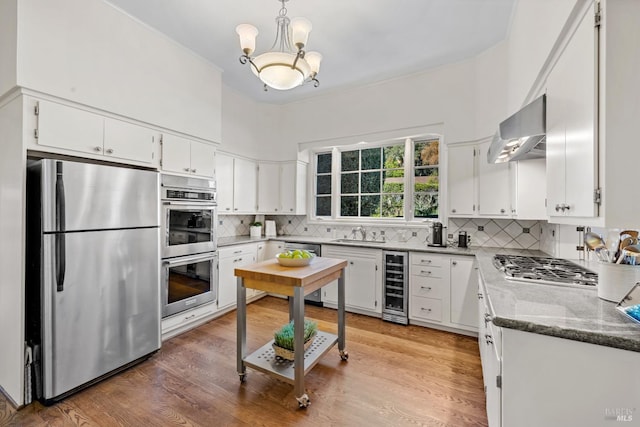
{"x": 287, "y": 354}
{"x": 255, "y": 231}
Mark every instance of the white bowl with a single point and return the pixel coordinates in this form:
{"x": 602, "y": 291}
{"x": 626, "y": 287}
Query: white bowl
{"x": 294, "y": 262}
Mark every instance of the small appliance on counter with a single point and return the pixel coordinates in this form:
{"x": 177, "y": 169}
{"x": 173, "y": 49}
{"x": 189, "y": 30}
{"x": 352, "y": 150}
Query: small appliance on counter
{"x": 270, "y": 228}
{"x": 463, "y": 239}
{"x": 436, "y": 235}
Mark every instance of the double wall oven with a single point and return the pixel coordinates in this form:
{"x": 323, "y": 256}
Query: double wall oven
{"x": 188, "y": 243}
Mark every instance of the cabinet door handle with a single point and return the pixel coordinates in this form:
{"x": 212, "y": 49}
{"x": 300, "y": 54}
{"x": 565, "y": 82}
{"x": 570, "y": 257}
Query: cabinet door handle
{"x": 97, "y": 149}
{"x": 351, "y": 262}
{"x": 186, "y": 169}
{"x": 558, "y": 208}
{"x": 454, "y": 262}
{"x": 453, "y": 210}
{"x": 193, "y": 170}
{"x": 480, "y": 296}
{"x": 109, "y": 151}
{"x": 502, "y": 211}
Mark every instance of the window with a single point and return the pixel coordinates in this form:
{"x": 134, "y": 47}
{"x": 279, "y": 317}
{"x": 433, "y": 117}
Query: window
{"x": 377, "y": 182}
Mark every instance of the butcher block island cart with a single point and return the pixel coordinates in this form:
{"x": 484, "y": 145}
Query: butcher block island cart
{"x": 294, "y": 282}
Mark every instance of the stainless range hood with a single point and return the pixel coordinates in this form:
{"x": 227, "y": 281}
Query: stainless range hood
{"x": 522, "y": 136}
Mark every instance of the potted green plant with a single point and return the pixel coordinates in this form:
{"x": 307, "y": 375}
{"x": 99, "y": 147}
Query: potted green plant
{"x": 255, "y": 229}
{"x": 283, "y": 339}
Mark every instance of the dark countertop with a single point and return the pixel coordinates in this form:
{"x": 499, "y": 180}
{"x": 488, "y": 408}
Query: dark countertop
{"x": 571, "y": 313}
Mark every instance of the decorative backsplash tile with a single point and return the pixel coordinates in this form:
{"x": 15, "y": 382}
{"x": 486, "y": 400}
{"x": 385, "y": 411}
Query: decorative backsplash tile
{"x": 500, "y": 233}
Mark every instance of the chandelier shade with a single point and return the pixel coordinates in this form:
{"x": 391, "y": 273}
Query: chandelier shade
{"x": 286, "y": 65}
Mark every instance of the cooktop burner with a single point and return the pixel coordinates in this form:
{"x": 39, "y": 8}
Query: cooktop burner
{"x": 554, "y": 271}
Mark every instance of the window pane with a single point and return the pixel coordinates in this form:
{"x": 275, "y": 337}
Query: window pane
{"x": 426, "y": 153}
{"x": 350, "y": 160}
{"x": 393, "y": 182}
{"x": 371, "y": 159}
{"x": 324, "y": 163}
{"x": 392, "y": 205}
{"x": 394, "y": 156}
{"x": 323, "y": 184}
{"x": 370, "y": 182}
{"x": 426, "y": 183}
{"x": 426, "y": 205}
{"x": 349, "y": 183}
{"x": 323, "y": 206}
{"x": 349, "y": 206}
{"x": 370, "y": 206}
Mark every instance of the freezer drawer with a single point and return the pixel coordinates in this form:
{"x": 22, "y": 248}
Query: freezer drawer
{"x": 104, "y": 310}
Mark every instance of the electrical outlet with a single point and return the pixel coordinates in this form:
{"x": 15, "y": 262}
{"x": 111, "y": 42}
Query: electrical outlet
{"x": 328, "y": 229}
{"x": 220, "y": 222}
{"x": 382, "y": 232}
{"x": 242, "y": 221}
{"x": 481, "y": 228}
{"x": 289, "y": 221}
{"x": 414, "y": 234}
{"x": 525, "y": 230}
{"x": 305, "y": 229}
{"x": 449, "y": 236}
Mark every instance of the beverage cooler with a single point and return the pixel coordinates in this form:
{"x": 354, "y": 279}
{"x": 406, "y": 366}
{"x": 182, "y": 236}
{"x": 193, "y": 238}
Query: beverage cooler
{"x": 395, "y": 287}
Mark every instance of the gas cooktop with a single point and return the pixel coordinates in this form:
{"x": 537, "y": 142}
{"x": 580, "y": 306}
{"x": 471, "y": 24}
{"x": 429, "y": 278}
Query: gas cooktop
{"x": 553, "y": 271}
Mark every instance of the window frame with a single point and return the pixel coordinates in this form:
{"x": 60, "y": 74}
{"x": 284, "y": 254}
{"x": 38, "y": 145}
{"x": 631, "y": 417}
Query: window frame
{"x": 409, "y": 182}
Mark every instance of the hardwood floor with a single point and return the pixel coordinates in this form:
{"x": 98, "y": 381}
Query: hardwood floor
{"x": 396, "y": 375}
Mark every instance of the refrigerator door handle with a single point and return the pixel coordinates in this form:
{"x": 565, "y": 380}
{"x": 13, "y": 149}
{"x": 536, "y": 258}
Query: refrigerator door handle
{"x": 60, "y": 253}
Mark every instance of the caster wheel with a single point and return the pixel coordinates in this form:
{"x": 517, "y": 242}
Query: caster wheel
{"x": 243, "y": 378}
{"x": 344, "y": 355}
{"x": 303, "y": 401}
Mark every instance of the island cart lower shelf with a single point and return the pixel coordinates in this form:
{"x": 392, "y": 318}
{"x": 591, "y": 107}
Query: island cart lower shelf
{"x": 269, "y": 276}
{"x": 264, "y": 359}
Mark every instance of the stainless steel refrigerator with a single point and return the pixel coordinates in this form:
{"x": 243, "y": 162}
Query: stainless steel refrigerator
{"x": 92, "y": 282}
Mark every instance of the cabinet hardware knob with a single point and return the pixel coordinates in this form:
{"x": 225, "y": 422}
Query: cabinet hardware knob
{"x": 186, "y": 169}
{"x": 558, "y": 208}
{"x": 290, "y": 209}
{"x": 454, "y": 262}
{"x": 193, "y": 170}
{"x": 275, "y": 210}
{"x": 351, "y": 262}
{"x": 567, "y": 207}
{"x": 453, "y": 210}
{"x": 109, "y": 151}
{"x": 235, "y": 209}
{"x": 227, "y": 209}
{"x": 98, "y": 149}
{"x": 502, "y": 211}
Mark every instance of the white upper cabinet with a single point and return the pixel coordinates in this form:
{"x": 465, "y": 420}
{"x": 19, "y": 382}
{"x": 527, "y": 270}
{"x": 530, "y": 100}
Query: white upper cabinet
{"x": 237, "y": 184}
{"x": 571, "y": 100}
{"x": 282, "y": 187}
{"x": 494, "y": 183}
{"x": 269, "y": 187}
{"x": 70, "y": 130}
{"x": 184, "y": 156}
{"x": 461, "y": 180}
{"x": 91, "y": 53}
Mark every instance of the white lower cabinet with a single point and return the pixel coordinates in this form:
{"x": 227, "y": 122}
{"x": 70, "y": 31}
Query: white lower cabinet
{"x": 181, "y": 322}
{"x": 442, "y": 290}
{"x": 232, "y": 257}
{"x": 363, "y": 279}
{"x": 490, "y": 345}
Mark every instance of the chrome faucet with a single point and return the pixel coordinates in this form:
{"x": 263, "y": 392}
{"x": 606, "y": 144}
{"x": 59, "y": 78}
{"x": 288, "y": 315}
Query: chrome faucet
{"x": 362, "y": 231}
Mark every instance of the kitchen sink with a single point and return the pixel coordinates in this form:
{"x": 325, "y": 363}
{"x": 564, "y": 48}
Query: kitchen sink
{"x": 359, "y": 241}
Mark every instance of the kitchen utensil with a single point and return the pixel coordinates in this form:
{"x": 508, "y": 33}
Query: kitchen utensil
{"x": 632, "y": 233}
{"x": 632, "y": 252}
{"x": 624, "y": 243}
{"x": 595, "y": 243}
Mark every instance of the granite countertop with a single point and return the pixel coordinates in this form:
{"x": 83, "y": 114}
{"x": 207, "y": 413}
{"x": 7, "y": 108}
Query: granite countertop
{"x": 563, "y": 312}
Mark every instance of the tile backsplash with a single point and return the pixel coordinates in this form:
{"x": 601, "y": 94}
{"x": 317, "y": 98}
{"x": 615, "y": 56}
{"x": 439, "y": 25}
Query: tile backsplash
{"x": 500, "y": 233}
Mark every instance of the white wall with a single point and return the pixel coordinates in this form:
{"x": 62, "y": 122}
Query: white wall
{"x": 94, "y": 54}
{"x": 12, "y": 190}
{"x": 252, "y": 129}
{"x": 8, "y": 45}
{"x": 535, "y": 27}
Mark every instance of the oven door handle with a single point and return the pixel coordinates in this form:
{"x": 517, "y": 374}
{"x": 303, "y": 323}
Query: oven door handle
{"x": 189, "y": 259}
{"x": 192, "y": 203}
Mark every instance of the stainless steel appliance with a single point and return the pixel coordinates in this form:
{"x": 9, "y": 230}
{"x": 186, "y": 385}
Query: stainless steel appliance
{"x": 545, "y": 270}
{"x": 190, "y": 260}
{"x": 315, "y": 297}
{"x": 463, "y": 239}
{"x": 189, "y": 215}
{"x": 395, "y": 294}
{"x": 92, "y": 281}
{"x": 188, "y": 282}
{"x": 436, "y": 236}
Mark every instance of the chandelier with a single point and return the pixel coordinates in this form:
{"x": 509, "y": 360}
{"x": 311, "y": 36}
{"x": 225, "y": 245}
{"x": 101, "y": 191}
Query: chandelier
{"x": 286, "y": 65}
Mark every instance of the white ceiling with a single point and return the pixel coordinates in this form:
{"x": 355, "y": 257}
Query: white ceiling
{"x": 362, "y": 41}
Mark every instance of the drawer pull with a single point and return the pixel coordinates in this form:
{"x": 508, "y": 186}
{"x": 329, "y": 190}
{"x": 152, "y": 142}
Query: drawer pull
{"x": 425, "y": 272}
{"x": 428, "y": 288}
{"x": 189, "y": 317}
{"x": 425, "y": 309}
{"x": 428, "y": 261}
